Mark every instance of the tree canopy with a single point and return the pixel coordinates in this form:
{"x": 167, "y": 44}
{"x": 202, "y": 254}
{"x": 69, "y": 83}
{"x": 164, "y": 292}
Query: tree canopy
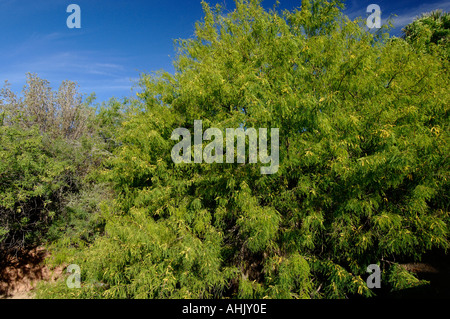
{"x": 430, "y": 31}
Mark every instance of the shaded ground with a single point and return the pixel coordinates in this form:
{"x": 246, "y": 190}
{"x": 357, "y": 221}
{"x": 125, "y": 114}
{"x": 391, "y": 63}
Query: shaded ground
{"x": 19, "y": 273}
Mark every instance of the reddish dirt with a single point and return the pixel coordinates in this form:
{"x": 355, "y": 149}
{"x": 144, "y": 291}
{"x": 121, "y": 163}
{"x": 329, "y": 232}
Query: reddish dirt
{"x": 420, "y": 268}
{"x": 19, "y": 273}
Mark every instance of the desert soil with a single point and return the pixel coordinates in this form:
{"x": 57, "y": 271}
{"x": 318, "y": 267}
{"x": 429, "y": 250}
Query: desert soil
{"x": 20, "y": 272}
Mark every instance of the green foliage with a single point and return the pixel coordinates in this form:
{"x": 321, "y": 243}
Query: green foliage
{"x": 108, "y": 120}
{"x": 430, "y": 32}
{"x": 80, "y": 220}
{"x": 48, "y": 146}
{"x": 400, "y": 279}
{"x": 363, "y": 174}
{"x": 29, "y": 180}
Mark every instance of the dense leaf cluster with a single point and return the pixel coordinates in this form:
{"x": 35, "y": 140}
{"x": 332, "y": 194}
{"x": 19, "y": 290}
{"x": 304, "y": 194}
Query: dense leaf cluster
{"x": 430, "y": 32}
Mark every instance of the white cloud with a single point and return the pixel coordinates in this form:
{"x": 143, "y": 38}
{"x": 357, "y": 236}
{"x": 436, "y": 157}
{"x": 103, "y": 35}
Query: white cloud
{"x": 93, "y": 71}
{"x": 81, "y": 62}
{"x": 408, "y": 16}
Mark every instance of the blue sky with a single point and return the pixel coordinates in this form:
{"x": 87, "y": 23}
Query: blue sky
{"x": 120, "y": 39}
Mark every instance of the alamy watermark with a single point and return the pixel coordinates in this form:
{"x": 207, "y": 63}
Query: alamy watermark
{"x": 213, "y": 152}
{"x": 74, "y": 279}
{"x": 374, "y": 20}
{"x": 374, "y": 280}
{"x": 74, "y": 20}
